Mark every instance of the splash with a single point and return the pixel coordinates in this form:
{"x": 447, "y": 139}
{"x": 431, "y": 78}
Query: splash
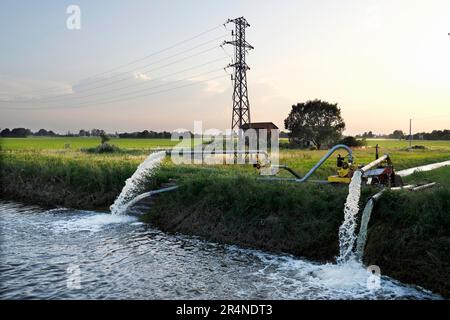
{"x": 362, "y": 236}
{"x": 347, "y": 235}
{"x": 133, "y": 185}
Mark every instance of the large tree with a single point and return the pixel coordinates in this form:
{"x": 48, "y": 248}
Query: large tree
{"x": 317, "y": 121}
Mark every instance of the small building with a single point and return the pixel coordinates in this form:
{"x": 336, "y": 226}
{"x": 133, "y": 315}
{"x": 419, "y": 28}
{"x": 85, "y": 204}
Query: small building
{"x": 260, "y": 125}
{"x": 257, "y": 126}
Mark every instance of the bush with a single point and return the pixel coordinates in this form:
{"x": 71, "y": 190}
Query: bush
{"x": 103, "y": 148}
{"x": 353, "y": 142}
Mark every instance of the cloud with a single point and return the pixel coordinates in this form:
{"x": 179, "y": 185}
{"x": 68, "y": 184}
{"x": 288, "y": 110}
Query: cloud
{"x": 141, "y": 76}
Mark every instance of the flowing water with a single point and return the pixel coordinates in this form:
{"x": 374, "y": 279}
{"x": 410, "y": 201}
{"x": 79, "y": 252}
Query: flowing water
{"x": 133, "y": 185}
{"x": 362, "y": 236}
{"x": 347, "y": 235}
{"x": 42, "y": 252}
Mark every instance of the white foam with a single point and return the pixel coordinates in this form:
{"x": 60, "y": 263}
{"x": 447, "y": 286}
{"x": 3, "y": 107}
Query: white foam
{"x": 91, "y": 223}
{"x": 133, "y": 184}
{"x": 347, "y": 235}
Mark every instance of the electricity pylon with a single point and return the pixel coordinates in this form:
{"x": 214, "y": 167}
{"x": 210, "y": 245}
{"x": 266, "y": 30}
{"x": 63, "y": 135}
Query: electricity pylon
{"x": 241, "y": 105}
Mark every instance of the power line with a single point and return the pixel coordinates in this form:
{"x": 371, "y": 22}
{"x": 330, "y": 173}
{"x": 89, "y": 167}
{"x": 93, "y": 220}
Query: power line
{"x": 160, "y": 60}
{"x": 158, "y": 52}
{"x": 138, "y": 60}
{"x": 147, "y": 81}
{"x": 124, "y": 97}
{"x": 57, "y": 97}
{"x": 60, "y": 97}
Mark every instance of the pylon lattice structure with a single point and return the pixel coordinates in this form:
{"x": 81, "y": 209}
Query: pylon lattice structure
{"x": 241, "y": 105}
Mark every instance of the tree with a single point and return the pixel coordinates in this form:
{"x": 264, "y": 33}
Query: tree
{"x": 104, "y": 138}
{"x": 84, "y": 133}
{"x": 20, "y": 132}
{"x": 397, "y": 134}
{"x": 5, "y": 132}
{"x": 316, "y": 121}
{"x": 97, "y": 132}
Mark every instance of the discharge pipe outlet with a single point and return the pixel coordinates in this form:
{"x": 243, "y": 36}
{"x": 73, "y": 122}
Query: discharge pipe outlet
{"x": 325, "y": 157}
{"x": 374, "y": 163}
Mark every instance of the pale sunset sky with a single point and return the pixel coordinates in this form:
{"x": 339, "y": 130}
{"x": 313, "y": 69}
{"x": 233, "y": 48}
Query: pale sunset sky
{"x": 158, "y": 65}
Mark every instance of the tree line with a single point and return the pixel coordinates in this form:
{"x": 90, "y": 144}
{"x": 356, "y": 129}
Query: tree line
{"x": 24, "y": 132}
{"x": 400, "y": 135}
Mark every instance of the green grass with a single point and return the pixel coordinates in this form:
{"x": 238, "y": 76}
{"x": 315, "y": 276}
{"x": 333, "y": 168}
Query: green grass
{"x": 440, "y": 176}
{"x": 409, "y": 236}
{"x": 300, "y": 160}
{"x": 402, "y": 144}
{"x": 77, "y": 143}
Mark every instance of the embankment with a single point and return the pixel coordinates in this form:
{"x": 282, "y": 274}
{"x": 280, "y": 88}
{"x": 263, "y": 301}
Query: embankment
{"x": 56, "y": 180}
{"x": 408, "y": 236}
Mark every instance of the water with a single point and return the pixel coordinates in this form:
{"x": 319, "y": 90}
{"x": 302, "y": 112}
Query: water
{"x": 118, "y": 257}
{"x": 347, "y": 235}
{"x": 362, "y": 236}
{"x": 133, "y": 185}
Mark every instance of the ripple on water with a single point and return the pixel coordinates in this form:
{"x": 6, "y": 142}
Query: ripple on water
{"x": 118, "y": 257}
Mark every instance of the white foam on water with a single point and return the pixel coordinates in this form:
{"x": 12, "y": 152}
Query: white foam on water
{"x": 133, "y": 184}
{"x": 348, "y": 280}
{"x": 90, "y": 222}
{"x": 347, "y": 235}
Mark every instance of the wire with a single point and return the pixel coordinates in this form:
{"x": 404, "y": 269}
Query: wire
{"x": 157, "y": 86}
{"x": 148, "y": 81}
{"x": 143, "y": 58}
{"x": 160, "y": 60}
{"x": 58, "y": 97}
{"x": 123, "y": 98}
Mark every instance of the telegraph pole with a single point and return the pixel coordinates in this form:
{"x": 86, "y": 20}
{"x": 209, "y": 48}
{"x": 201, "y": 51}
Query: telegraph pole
{"x": 241, "y": 105}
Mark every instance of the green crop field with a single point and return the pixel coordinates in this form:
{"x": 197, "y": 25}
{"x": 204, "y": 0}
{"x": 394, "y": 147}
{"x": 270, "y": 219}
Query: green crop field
{"x": 300, "y": 160}
{"x": 76, "y": 143}
{"x": 63, "y": 159}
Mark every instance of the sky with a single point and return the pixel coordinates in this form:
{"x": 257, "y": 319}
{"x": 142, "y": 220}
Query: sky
{"x": 382, "y": 61}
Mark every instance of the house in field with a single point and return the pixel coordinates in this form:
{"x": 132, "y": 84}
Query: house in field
{"x": 258, "y": 126}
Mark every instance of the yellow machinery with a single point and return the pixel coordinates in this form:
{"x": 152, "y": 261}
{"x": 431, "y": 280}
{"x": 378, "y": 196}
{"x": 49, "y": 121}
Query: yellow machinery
{"x": 344, "y": 170}
{"x": 378, "y": 172}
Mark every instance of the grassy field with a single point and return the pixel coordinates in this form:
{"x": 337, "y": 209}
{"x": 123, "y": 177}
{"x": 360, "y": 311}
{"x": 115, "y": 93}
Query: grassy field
{"x": 70, "y": 149}
{"x": 76, "y": 143}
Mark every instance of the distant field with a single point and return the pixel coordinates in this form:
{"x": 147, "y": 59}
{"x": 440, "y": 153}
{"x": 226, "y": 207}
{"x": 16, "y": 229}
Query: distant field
{"x": 386, "y": 143}
{"x": 76, "y": 143}
{"x": 399, "y": 144}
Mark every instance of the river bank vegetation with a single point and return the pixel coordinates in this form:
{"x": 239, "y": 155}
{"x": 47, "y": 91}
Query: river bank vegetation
{"x": 408, "y": 235}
